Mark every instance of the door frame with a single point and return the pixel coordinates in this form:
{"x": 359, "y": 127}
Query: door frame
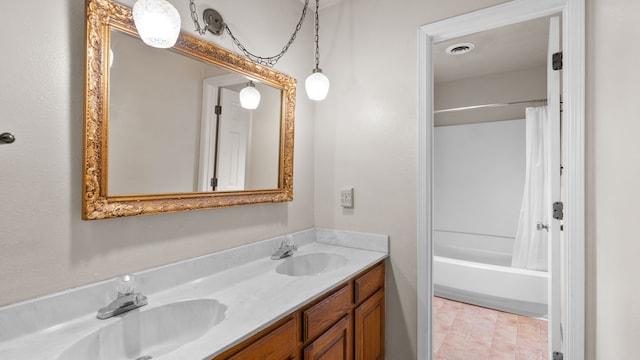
{"x": 573, "y": 149}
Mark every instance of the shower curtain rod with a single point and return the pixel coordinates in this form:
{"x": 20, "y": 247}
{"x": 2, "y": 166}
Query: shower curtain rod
{"x": 537, "y": 101}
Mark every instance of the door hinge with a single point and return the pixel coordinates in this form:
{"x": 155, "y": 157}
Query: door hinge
{"x": 218, "y": 110}
{"x": 214, "y": 183}
{"x": 558, "y": 210}
{"x": 557, "y": 61}
{"x": 558, "y": 355}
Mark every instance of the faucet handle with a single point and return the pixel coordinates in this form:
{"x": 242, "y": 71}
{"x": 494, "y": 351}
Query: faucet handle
{"x": 288, "y": 242}
{"x": 126, "y": 285}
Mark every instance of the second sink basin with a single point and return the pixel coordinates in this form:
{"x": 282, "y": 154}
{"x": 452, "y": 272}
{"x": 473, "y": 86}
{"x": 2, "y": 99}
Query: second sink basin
{"x": 311, "y": 264}
{"x": 148, "y": 334}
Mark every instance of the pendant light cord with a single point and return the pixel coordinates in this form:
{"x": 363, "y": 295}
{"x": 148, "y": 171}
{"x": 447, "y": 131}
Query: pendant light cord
{"x": 317, "y": 37}
{"x": 269, "y": 61}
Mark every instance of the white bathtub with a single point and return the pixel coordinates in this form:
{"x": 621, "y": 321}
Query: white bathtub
{"x": 486, "y": 284}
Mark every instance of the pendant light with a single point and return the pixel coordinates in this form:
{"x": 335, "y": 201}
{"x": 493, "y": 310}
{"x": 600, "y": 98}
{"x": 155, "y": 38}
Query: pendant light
{"x": 317, "y": 84}
{"x": 250, "y": 96}
{"x": 157, "y": 21}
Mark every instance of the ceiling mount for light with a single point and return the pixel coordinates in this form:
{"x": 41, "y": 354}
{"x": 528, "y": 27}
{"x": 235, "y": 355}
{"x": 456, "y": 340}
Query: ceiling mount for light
{"x": 213, "y": 21}
{"x": 460, "y": 48}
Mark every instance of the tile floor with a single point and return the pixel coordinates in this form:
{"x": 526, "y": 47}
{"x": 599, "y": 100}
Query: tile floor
{"x": 467, "y": 332}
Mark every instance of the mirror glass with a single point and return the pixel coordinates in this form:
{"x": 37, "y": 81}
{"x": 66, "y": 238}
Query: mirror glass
{"x": 164, "y": 130}
{"x": 165, "y": 135}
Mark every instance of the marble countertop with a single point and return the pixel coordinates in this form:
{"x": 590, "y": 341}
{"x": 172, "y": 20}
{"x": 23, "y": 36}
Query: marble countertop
{"x": 254, "y": 294}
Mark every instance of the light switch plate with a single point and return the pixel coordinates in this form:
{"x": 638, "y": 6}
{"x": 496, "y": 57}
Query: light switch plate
{"x": 346, "y": 198}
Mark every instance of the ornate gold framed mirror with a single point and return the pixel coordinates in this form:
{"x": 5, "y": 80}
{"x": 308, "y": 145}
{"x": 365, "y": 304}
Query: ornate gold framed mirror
{"x": 155, "y": 139}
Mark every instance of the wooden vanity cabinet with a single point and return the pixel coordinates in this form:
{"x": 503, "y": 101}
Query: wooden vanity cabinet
{"x": 320, "y": 316}
{"x": 369, "y": 314}
{"x": 334, "y": 344}
{"x": 369, "y": 328}
{"x": 278, "y": 342}
{"x": 347, "y": 323}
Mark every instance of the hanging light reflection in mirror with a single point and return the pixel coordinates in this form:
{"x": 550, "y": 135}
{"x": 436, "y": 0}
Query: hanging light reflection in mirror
{"x": 157, "y": 22}
{"x": 250, "y": 96}
{"x": 110, "y": 58}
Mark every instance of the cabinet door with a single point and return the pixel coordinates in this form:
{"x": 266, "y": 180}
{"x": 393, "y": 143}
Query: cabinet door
{"x": 279, "y": 344}
{"x": 369, "y": 319}
{"x": 334, "y": 344}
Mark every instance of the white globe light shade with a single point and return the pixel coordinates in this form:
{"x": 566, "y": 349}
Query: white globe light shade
{"x": 317, "y": 85}
{"x": 157, "y": 21}
{"x": 249, "y": 97}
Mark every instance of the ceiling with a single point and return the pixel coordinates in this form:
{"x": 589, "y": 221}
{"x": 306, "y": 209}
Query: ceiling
{"x": 514, "y": 47}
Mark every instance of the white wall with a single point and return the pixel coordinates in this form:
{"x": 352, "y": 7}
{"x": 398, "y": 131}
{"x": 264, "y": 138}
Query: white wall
{"x": 366, "y": 136}
{"x": 613, "y": 175}
{"x": 479, "y": 177}
{"x": 511, "y": 86}
{"x": 44, "y": 244}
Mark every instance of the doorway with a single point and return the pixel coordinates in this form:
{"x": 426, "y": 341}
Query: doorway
{"x": 573, "y": 271}
{"x": 495, "y": 159}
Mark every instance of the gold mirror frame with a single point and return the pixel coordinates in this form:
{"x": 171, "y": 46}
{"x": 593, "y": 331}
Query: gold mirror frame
{"x": 102, "y": 15}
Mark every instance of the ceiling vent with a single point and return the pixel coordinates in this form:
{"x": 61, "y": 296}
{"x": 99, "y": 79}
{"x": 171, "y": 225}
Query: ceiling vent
{"x": 460, "y": 48}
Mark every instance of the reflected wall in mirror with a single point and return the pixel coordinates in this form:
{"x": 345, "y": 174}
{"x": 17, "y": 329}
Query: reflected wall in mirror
{"x": 164, "y": 130}
{"x": 162, "y": 106}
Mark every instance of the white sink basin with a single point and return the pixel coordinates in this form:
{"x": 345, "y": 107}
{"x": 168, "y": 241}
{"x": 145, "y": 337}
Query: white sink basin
{"x": 149, "y": 334}
{"x": 311, "y": 264}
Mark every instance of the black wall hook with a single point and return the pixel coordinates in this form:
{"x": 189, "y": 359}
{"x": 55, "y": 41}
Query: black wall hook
{"x": 7, "y": 138}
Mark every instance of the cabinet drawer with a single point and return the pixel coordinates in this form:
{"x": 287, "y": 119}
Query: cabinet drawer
{"x": 367, "y": 284}
{"x": 322, "y": 315}
{"x": 279, "y": 344}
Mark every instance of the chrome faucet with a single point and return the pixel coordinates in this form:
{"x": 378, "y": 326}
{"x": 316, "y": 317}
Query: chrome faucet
{"x": 128, "y": 299}
{"x": 286, "y": 249}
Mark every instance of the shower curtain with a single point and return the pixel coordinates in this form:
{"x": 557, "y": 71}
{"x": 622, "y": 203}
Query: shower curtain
{"x": 530, "y": 247}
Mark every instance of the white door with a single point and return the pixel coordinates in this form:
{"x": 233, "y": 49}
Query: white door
{"x": 553, "y": 105}
{"x": 232, "y": 142}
